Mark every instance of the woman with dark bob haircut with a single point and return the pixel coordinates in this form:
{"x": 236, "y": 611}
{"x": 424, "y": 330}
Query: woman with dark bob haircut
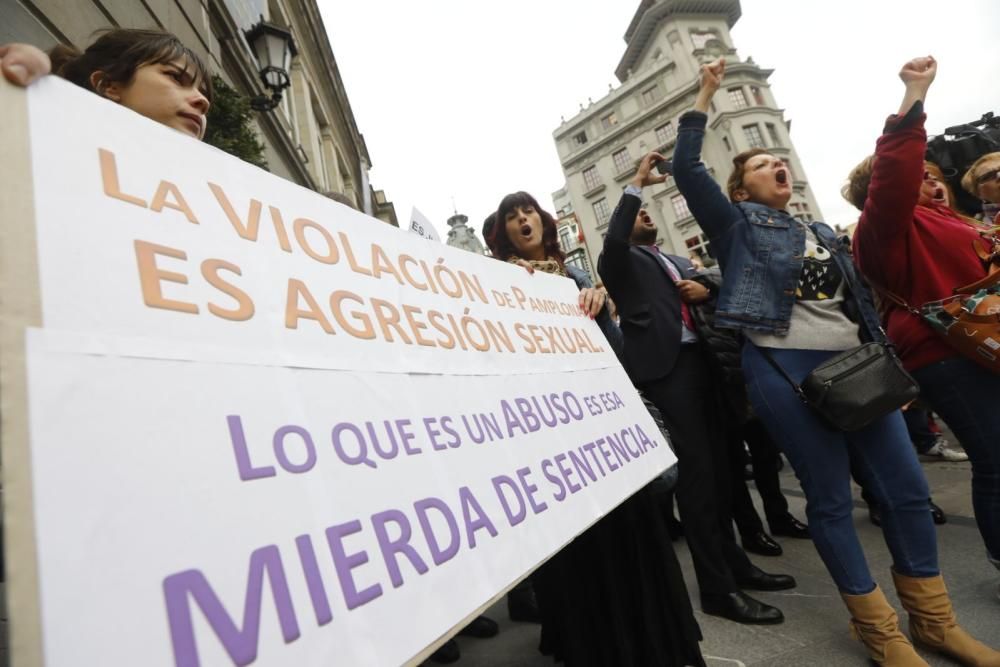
{"x": 505, "y": 247}
{"x": 615, "y": 594}
{"x": 149, "y": 71}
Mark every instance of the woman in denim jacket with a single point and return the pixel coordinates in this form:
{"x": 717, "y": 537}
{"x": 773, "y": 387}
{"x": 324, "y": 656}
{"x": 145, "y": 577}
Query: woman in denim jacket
{"x": 789, "y": 287}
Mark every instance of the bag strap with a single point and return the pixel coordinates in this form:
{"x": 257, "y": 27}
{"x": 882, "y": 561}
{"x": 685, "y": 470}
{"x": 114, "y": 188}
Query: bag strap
{"x": 895, "y": 299}
{"x": 774, "y": 364}
{"x": 990, "y": 280}
{"x": 854, "y": 281}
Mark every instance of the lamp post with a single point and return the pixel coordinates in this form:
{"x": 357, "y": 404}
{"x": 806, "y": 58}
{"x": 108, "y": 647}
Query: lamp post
{"x": 273, "y": 47}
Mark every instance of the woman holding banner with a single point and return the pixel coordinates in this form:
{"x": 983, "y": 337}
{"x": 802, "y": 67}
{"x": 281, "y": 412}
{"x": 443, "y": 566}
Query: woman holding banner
{"x": 149, "y": 71}
{"x": 615, "y": 594}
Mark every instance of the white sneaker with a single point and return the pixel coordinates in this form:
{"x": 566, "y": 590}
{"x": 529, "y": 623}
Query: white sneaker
{"x": 942, "y": 451}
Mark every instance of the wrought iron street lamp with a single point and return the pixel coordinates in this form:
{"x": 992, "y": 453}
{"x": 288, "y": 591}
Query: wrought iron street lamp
{"x": 273, "y": 47}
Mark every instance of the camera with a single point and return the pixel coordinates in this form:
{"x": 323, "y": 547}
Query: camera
{"x": 960, "y": 146}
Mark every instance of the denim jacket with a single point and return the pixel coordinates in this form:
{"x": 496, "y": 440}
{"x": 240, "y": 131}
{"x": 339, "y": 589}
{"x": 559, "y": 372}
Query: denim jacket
{"x": 760, "y": 249}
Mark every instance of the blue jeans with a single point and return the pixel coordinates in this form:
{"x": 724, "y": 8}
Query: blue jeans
{"x": 967, "y": 398}
{"x": 821, "y": 458}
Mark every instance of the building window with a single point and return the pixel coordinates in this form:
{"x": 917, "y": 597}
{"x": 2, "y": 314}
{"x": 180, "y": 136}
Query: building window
{"x": 666, "y": 133}
{"x": 609, "y": 121}
{"x": 681, "y": 210}
{"x": 650, "y": 96}
{"x": 565, "y": 238}
{"x": 602, "y": 211}
{"x": 758, "y": 97}
{"x": 623, "y": 161}
{"x": 725, "y": 142}
{"x": 590, "y": 178}
{"x": 772, "y": 132}
{"x": 700, "y": 39}
{"x": 754, "y": 138}
{"x": 700, "y": 247}
{"x": 580, "y": 138}
{"x": 738, "y": 98}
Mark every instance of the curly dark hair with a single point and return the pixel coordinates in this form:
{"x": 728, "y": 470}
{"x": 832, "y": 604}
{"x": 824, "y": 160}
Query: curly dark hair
{"x": 500, "y": 243}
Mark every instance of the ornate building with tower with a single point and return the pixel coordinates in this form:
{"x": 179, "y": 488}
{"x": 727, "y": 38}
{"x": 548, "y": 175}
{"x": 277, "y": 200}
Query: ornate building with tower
{"x": 600, "y": 147}
{"x": 460, "y": 235}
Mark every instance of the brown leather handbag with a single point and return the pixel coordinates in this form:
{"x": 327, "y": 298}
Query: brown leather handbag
{"x": 969, "y": 320}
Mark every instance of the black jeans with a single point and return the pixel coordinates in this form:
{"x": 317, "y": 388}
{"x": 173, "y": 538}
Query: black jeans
{"x": 766, "y": 460}
{"x": 693, "y": 418}
{"x": 965, "y": 395}
{"x": 921, "y": 435}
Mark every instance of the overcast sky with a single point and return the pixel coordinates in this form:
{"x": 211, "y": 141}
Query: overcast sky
{"x": 459, "y": 98}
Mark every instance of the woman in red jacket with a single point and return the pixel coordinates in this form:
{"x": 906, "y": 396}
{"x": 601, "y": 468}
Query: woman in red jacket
{"x": 910, "y": 243}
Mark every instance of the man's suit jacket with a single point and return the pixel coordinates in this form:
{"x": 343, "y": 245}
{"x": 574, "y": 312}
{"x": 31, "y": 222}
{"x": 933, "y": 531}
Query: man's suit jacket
{"x": 649, "y": 304}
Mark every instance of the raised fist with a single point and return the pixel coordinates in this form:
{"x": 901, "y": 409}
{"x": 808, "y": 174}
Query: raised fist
{"x": 919, "y": 71}
{"x": 712, "y": 73}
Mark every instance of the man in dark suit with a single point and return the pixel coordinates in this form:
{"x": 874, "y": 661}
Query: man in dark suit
{"x": 664, "y": 359}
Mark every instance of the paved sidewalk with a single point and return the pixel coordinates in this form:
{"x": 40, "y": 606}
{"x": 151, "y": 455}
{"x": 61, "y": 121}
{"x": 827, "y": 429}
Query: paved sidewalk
{"x": 815, "y": 630}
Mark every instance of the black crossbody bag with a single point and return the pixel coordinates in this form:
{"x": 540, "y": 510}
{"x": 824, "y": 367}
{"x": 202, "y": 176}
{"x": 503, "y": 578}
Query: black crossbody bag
{"x": 854, "y": 388}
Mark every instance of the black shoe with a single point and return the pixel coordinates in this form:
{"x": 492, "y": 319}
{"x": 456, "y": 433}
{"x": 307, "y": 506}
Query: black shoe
{"x": 789, "y": 526}
{"x": 759, "y": 580}
{"x": 447, "y": 653}
{"x": 480, "y": 628}
{"x": 875, "y": 515}
{"x": 937, "y": 513}
{"x": 762, "y": 544}
{"x": 522, "y": 607}
{"x": 741, "y": 608}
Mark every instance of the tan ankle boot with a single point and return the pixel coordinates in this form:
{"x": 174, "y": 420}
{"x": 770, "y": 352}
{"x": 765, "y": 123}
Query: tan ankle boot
{"x": 874, "y": 622}
{"x": 933, "y": 623}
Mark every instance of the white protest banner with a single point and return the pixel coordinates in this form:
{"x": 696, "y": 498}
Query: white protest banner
{"x": 245, "y": 424}
{"x": 421, "y": 226}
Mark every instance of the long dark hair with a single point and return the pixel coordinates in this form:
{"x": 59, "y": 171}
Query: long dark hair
{"x": 119, "y": 52}
{"x": 500, "y": 243}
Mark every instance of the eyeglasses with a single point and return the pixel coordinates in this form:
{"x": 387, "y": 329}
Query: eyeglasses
{"x": 990, "y": 175}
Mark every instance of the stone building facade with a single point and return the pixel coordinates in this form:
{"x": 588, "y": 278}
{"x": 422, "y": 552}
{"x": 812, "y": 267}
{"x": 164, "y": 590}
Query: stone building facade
{"x": 600, "y": 147}
{"x": 311, "y": 138}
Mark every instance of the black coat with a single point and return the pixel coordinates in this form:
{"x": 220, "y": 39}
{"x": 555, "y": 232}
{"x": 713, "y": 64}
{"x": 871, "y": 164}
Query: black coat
{"x": 649, "y": 305}
{"x": 724, "y": 348}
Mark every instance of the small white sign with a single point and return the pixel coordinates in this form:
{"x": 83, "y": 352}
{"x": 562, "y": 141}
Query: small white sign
{"x": 421, "y": 226}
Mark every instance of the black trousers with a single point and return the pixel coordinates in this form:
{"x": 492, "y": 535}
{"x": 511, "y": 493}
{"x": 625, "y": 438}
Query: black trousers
{"x": 766, "y": 458}
{"x": 692, "y": 416}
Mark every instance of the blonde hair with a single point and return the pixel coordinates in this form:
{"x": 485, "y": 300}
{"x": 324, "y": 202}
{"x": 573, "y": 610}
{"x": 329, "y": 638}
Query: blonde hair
{"x": 855, "y": 190}
{"x": 969, "y": 180}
